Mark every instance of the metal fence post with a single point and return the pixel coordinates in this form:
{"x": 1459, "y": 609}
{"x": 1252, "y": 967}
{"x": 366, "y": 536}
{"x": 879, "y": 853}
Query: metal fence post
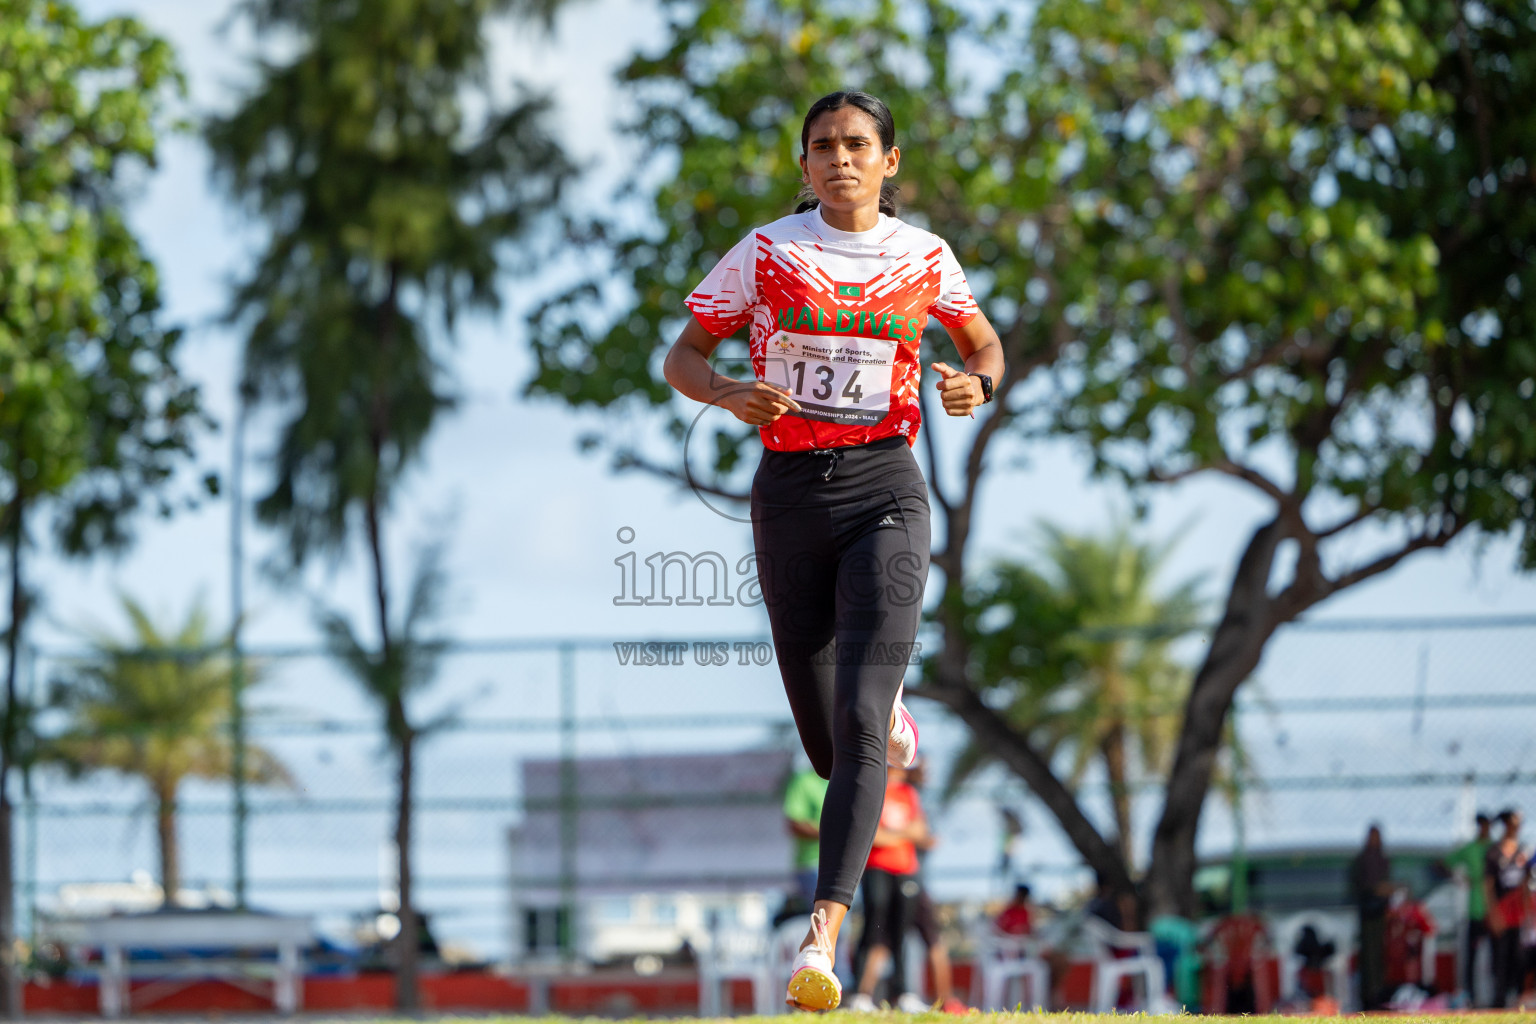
{"x": 29, "y": 864}
{"x": 568, "y": 802}
{"x": 237, "y": 654}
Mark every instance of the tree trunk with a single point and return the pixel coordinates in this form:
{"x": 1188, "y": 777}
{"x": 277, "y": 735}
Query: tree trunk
{"x": 1016, "y": 752}
{"x": 407, "y": 989}
{"x": 406, "y": 995}
{"x": 1113, "y": 751}
{"x": 10, "y": 981}
{"x": 170, "y": 852}
{"x": 953, "y": 689}
{"x": 1249, "y": 620}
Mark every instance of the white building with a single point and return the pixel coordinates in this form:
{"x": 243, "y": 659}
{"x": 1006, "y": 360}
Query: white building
{"x": 655, "y": 851}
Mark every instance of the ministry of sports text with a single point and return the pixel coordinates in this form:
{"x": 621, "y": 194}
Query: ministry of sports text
{"x": 650, "y": 653}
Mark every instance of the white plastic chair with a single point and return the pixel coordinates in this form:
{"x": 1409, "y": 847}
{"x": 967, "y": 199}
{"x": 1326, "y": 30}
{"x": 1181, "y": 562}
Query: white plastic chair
{"x": 732, "y": 956}
{"x": 1338, "y": 928}
{"x": 1001, "y": 962}
{"x": 1109, "y": 970}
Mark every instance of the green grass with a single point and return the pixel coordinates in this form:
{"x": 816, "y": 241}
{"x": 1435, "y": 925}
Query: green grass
{"x": 838, "y": 1017}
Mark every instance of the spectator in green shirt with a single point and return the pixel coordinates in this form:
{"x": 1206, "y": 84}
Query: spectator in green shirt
{"x": 803, "y": 798}
{"x": 1471, "y": 857}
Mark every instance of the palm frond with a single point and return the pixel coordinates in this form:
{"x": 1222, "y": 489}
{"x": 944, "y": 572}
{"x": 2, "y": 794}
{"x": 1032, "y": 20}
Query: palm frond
{"x": 155, "y": 705}
{"x": 1077, "y": 644}
{"x": 972, "y": 759}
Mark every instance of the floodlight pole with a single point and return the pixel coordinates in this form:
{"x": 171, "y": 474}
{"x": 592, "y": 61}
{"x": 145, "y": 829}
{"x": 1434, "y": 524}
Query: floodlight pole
{"x": 237, "y": 653}
{"x": 568, "y": 804}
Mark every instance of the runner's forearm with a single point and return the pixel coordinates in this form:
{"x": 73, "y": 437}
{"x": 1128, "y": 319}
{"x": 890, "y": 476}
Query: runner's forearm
{"x": 688, "y": 370}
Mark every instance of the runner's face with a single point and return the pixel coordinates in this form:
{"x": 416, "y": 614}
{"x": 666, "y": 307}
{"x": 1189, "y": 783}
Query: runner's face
{"x": 843, "y": 162}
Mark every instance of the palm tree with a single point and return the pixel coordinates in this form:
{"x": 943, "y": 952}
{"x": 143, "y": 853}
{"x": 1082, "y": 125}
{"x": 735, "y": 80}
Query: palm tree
{"x": 1079, "y": 652}
{"x": 156, "y": 706}
{"x": 391, "y": 675}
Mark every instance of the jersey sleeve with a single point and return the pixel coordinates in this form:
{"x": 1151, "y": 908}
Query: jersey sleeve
{"x": 723, "y": 301}
{"x": 955, "y": 305}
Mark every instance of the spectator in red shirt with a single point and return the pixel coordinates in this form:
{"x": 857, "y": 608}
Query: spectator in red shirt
{"x": 1235, "y": 948}
{"x": 1409, "y": 926}
{"x": 925, "y": 916}
{"x": 1014, "y": 919}
{"x": 890, "y": 889}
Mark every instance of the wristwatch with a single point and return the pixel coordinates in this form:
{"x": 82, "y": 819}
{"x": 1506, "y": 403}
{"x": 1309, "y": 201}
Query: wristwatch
{"x": 986, "y": 387}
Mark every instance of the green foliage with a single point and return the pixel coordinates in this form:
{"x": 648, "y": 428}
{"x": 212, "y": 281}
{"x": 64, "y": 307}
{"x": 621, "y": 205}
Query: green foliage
{"x": 1267, "y": 198}
{"x": 1080, "y": 646}
{"x": 94, "y": 415}
{"x": 1284, "y": 242}
{"x": 156, "y": 705}
{"x": 388, "y": 208}
{"x": 1075, "y": 652}
{"x": 391, "y": 674}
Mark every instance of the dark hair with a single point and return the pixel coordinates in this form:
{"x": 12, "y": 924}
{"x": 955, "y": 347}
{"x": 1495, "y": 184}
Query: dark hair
{"x": 1483, "y": 819}
{"x": 885, "y": 127}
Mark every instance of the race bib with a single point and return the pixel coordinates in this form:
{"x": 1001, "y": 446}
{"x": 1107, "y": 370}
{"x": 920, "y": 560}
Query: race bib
{"x": 835, "y": 378}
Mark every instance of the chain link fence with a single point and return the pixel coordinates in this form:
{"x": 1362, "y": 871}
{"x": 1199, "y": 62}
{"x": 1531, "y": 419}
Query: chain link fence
{"x": 1413, "y": 724}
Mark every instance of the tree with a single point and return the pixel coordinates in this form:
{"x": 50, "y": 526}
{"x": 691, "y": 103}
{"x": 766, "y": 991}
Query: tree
{"x": 1276, "y": 198}
{"x": 1281, "y": 243}
{"x": 1076, "y": 654}
{"x": 391, "y": 677}
{"x": 389, "y": 210}
{"x": 156, "y": 706}
{"x": 94, "y": 416}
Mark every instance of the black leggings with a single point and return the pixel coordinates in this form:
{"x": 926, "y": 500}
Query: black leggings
{"x": 1506, "y": 965}
{"x": 1477, "y": 934}
{"x": 842, "y": 544}
{"x": 890, "y": 907}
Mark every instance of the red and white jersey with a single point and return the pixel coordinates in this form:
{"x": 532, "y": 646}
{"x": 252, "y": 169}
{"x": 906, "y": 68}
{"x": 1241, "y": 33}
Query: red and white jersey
{"x": 836, "y": 317}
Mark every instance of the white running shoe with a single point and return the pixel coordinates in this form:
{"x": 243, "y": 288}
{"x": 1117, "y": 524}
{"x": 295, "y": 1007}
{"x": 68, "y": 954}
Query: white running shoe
{"x": 812, "y": 985}
{"x": 861, "y": 1003}
{"x": 901, "y": 749}
{"x": 911, "y": 1002}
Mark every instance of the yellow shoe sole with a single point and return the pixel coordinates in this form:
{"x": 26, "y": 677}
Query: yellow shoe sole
{"x": 810, "y": 989}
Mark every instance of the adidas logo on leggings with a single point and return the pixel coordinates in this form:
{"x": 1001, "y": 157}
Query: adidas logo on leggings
{"x": 887, "y": 521}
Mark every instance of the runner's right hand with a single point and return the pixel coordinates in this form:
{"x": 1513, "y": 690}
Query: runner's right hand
{"x": 758, "y": 403}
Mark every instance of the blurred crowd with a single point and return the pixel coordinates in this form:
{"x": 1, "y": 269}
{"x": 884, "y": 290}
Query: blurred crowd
{"x": 1386, "y": 953}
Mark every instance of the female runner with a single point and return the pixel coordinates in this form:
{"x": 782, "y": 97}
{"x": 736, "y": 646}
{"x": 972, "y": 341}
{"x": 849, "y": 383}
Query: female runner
{"x": 837, "y": 296}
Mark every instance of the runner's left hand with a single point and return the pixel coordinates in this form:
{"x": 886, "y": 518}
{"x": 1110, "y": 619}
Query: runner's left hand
{"x": 959, "y": 391}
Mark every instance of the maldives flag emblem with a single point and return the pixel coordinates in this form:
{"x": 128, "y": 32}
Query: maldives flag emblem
{"x": 850, "y": 291}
